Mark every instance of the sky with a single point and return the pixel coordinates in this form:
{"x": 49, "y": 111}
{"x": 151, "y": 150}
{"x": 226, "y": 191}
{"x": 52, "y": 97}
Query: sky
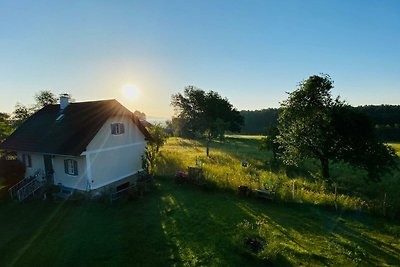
{"x": 251, "y": 52}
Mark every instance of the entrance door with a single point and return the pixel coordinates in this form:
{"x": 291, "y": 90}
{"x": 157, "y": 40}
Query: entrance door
{"x": 48, "y": 169}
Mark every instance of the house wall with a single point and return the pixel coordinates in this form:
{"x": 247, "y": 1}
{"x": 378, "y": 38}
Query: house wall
{"x": 113, "y": 157}
{"x": 72, "y": 181}
{"x": 37, "y": 162}
{"x": 104, "y": 138}
{"x": 113, "y": 165}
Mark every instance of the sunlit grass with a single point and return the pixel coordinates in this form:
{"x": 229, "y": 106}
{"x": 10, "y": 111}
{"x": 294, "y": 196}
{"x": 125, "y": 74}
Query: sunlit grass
{"x": 238, "y": 136}
{"x": 396, "y": 147}
{"x": 224, "y": 169}
{"x": 181, "y": 225}
{"x": 184, "y": 225}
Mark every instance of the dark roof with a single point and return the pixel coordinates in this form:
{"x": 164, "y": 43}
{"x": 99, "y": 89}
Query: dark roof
{"x": 70, "y": 135}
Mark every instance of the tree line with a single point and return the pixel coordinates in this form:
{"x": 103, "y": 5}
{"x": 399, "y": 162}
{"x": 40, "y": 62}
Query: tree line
{"x": 385, "y": 118}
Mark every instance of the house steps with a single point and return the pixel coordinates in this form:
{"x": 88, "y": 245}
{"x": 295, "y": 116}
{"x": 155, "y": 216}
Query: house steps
{"x": 65, "y": 192}
{"x": 27, "y": 187}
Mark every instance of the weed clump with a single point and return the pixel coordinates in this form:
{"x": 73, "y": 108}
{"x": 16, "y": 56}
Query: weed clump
{"x": 259, "y": 240}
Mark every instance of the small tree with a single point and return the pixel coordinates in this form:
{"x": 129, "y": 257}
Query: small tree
{"x": 205, "y": 113}
{"x": 158, "y": 139}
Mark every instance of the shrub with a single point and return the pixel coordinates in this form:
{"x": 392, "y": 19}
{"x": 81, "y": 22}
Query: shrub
{"x": 11, "y": 170}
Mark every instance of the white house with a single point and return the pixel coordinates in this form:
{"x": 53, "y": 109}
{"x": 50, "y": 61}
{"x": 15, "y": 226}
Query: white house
{"x": 83, "y": 146}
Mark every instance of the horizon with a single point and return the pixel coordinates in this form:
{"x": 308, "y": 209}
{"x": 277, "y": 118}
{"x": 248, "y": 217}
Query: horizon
{"x": 252, "y": 53}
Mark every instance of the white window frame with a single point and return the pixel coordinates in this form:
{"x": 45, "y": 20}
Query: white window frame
{"x": 71, "y": 167}
{"x": 117, "y": 128}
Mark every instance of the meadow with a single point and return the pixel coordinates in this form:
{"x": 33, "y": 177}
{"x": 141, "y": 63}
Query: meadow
{"x": 301, "y": 184}
{"x": 187, "y": 225}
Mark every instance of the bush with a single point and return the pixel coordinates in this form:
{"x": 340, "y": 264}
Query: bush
{"x": 11, "y": 170}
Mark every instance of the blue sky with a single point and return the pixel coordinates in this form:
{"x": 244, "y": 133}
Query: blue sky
{"x": 251, "y": 52}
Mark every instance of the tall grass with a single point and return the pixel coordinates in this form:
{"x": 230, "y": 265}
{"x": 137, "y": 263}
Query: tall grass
{"x": 225, "y": 170}
{"x": 396, "y": 147}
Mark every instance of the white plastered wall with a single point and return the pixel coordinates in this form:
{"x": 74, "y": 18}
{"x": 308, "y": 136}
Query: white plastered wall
{"x": 37, "y": 162}
{"x": 73, "y": 181}
{"x": 113, "y": 157}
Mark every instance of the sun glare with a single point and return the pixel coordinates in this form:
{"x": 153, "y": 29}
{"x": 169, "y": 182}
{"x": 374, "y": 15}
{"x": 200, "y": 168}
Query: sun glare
{"x": 130, "y": 92}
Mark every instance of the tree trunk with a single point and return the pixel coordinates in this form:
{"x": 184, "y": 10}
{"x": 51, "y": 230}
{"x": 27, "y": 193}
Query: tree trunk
{"x": 325, "y": 168}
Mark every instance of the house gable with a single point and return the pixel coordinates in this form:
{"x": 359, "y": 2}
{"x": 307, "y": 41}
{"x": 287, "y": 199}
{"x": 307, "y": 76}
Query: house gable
{"x": 106, "y": 139}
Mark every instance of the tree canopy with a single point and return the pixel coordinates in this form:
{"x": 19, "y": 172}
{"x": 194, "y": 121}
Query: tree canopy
{"x": 312, "y": 124}
{"x": 45, "y": 98}
{"x": 205, "y": 113}
{"x": 42, "y": 99}
{"x": 5, "y": 126}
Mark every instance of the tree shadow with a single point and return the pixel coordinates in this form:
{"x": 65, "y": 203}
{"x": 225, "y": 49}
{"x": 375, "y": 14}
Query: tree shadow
{"x": 356, "y": 243}
{"x": 201, "y": 226}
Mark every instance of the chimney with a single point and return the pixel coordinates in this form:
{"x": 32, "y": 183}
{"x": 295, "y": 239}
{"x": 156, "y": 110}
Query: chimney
{"x": 64, "y": 101}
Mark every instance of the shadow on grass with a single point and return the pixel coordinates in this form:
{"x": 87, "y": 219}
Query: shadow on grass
{"x": 177, "y": 225}
{"x": 305, "y": 227}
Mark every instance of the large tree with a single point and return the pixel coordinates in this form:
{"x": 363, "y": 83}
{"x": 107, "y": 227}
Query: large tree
{"x": 206, "y": 113}
{"x": 312, "y": 124}
{"x": 42, "y": 99}
{"x": 22, "y": 113}
{"x": 45, "y": 98}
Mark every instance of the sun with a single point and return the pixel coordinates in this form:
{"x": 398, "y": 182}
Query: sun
{"x": 130, "y": 92}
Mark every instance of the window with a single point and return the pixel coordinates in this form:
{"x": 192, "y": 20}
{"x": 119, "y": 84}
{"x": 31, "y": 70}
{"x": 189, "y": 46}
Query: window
{"x": 26, "y": 159}
{"x": 71, "y": 167}
{"x": 117, "y": 128}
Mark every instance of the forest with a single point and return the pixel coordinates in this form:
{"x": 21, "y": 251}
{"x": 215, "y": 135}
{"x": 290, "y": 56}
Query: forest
{"x": 386, "y": 119}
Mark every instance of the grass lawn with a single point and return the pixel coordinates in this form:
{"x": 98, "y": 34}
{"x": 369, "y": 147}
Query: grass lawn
{"x": 181, "y": 225}
{"x": 396, "y": 147}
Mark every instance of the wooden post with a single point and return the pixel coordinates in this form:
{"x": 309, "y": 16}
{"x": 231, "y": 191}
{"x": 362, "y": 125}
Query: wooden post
{"x": 259, "y": 183}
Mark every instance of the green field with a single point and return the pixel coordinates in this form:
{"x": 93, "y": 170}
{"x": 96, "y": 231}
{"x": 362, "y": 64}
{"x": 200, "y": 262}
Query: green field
{"x": 184, "y": 225}
{"x": 396, "y": 147}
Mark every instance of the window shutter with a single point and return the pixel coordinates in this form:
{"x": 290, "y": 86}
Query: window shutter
{"x": 112, "y": 128}
{"x": 122, "y": 128}
{"x": 75, "y": 167}
{"x": 66, "y": 166}
{"x": 29, "y": 161}
{"x": 24, "y": 159}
